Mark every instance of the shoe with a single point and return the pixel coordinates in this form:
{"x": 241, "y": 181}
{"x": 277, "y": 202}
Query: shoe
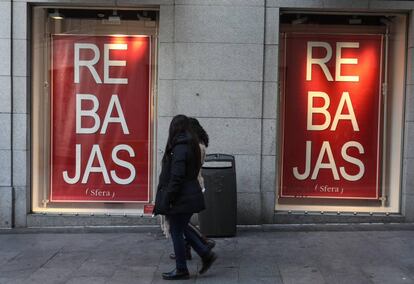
{"x": 207, "y": 261}
{"x": 176, "y": 274}
{"x": 210, "y": 244}
{"x": 187, "y": 253}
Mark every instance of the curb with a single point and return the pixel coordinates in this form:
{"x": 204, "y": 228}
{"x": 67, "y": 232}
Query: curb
{"x": 240, "y": 228}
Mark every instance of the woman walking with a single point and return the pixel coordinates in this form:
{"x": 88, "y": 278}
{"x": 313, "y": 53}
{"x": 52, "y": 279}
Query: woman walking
{"x": 179, "y": 195}
{"x": 203, "y": 141}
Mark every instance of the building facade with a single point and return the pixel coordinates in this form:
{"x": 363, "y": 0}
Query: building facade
{"x": 314, "y": 98}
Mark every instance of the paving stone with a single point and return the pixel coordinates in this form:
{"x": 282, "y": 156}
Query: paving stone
{"x": 218, "y": 275}
{"x": 7, "y": 256}
{"x": 69, "y": 260}
{"x": 87, "y": 280}
{"x": 143, "y": 274}
{"x": 101, "y": 264}
{"x": 264, "y": 270}
{"x": 261, "y": 280}
{"x": 157, "y": 279}
{"x": 16, "y": 275}
{"x": 297, "y": 274}
{"x": 87, "y": 243}
{"x": 12, "y": 245}
{"x": 387, "y": 274}
{"x": 28, "y": 260}
{"x": 4, "y": 280}
{"x": 250, "y": 257}
{"x": 50, "y": 276}
{"x": 345, "y": 277}
{"x": 142, "y": 258}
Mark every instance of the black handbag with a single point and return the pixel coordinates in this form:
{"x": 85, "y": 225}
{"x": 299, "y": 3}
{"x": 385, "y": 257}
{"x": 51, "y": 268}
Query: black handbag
{"x": 162, "y": 201}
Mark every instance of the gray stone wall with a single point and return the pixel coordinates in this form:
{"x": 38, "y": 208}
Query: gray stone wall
{"x": 217, "y": 61}
{"x": 213, "y": 59}
{"x": 408, "y": 178}
{"x": 21, "y": 120}
{"x": 269, "y": 114}
{"x": 6, "y": 193}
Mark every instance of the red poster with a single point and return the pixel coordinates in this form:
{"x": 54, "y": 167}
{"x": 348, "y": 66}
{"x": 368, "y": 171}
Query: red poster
{"x": 100, "y": 142}
{"x": 331, "y": 85}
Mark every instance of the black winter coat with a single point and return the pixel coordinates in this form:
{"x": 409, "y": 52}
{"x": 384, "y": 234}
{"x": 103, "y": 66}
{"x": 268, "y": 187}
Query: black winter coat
{"x": 179, "y": 176}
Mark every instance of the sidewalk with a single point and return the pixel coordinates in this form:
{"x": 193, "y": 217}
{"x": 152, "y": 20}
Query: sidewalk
{"x": 251, "y": 257}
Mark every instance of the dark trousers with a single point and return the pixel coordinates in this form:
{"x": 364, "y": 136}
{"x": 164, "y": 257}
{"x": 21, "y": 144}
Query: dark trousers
{"x": 197, "y": 232}
{"x": 178, "y": 229}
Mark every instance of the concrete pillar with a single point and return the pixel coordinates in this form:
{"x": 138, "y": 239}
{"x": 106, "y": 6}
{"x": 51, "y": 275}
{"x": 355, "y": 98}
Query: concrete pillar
{"x": 408, "y": 179}
{"x": 6, "y": 193}
{"x": 269, "y": 122}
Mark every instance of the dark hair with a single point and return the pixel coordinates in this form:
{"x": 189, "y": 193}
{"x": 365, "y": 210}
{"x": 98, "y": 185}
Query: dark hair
{"x": 199, "y": 131}
{"x": 180, "y": 125}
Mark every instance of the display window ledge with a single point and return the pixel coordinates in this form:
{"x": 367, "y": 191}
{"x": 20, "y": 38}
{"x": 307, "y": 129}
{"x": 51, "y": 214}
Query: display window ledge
{"x": 88, "y": 220}
{"x": 332, "y": 218}
{"x": 393, "y": 223}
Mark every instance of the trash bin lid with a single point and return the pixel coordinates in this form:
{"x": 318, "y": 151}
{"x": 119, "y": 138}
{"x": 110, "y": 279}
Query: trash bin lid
{"x": 219, "y": 161}
{"x": 217, "y": 165}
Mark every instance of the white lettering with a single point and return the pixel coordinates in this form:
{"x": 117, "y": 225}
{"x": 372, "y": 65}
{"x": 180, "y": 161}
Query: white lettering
{"x": 108, "y": 63}
{"x": 87, "y": 63}
{"x": 123, "y": 163}
{"x": 318, "y": 61}
{"x": 321, "y": 110}
{"x": 96, "y": 152}
{"x": 76, "y": 178}
{"x": 330, "y": 165}
{"x": 307, "y": 163}
{"x": 91, "y": 113}
{"x": 352, "y": 160}
{"x": 109, "y": 119}
{"x": 345, "y": 98}
{"x": 340, "y": 61}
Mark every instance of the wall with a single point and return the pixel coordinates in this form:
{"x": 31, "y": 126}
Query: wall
{"x": 215, "y": 50}
{"x": 5, "y": 116}
{"x": 207, "y": 48}
{"x": 408, "y": 177}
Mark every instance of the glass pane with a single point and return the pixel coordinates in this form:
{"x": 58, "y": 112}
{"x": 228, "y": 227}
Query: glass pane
{"x": 93, "y": 83}
{"x": 336, "y": 123}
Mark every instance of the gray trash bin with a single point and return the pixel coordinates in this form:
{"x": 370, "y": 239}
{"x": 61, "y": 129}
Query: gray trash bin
{"x": 219, "y": 219}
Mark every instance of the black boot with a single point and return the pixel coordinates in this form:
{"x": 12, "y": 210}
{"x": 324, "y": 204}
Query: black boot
{"x": 207, "y": 261}
{"x": 187, "y": 253}
{"x": 176, "y": 274}
{"x": 210, "y": 244}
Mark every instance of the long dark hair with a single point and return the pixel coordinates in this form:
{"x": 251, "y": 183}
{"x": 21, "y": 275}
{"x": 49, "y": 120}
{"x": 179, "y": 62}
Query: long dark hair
{"x": 180, "y": 125}
{"x": 199, "y": 131}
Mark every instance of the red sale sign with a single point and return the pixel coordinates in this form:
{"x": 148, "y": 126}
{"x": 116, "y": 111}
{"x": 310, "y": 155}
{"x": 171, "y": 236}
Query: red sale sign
{"x": 100, "y": 118}
{"x": 331, "y": 121}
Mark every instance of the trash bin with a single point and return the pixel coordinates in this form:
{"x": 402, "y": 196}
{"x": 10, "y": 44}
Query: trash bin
{"x": 219, "y": 219}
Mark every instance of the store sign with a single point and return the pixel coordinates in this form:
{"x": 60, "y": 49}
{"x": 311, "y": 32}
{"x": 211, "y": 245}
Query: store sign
{"x": 100, "y": 118}
{"x": 331, "y": 116}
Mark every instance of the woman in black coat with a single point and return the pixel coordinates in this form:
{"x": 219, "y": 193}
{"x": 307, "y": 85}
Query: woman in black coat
{"x": 180, "y": 167}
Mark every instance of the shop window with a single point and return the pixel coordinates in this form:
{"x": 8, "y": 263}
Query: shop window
{"x": 92, "y": 114}
{"x": 342, "y": 93}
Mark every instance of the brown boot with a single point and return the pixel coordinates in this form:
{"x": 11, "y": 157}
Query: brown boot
{"x": 188, "y": 255}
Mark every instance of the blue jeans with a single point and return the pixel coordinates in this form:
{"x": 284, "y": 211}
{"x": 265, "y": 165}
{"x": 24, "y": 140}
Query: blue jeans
{"x": 178, "y": 229}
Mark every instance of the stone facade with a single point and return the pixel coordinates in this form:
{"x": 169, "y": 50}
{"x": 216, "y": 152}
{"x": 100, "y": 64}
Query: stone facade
{"x": 236, "y": 54}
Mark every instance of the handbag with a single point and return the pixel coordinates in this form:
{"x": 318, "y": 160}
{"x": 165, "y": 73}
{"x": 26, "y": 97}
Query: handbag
{"x": 162, "y": 201}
